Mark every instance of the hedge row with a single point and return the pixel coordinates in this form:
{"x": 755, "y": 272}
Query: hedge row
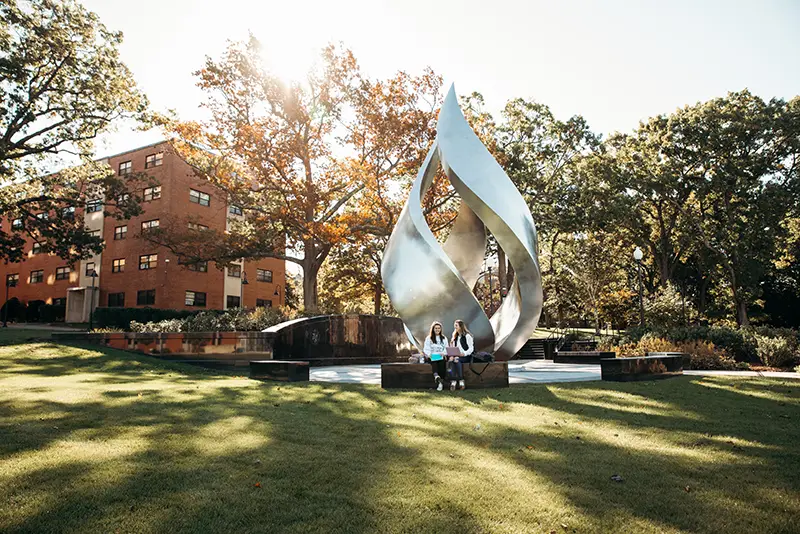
{"x": 122, "y": 317}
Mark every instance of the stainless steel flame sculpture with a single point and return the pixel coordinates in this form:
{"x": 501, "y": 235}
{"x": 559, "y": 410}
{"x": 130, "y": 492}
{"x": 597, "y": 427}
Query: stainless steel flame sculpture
{"x": 429, "y": 282}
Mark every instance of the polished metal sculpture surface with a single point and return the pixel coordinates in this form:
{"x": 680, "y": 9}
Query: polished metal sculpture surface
{"x": 429, "y": 282}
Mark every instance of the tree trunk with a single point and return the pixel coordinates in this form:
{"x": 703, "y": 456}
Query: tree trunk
{"x": 310, "y": 273}
{"x": 741, "y": 314}
{"x": 378, "y": 296}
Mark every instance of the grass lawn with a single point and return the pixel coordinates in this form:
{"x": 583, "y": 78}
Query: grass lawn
{"x": 104, "y": 441}
{"x": 12, "y": 336}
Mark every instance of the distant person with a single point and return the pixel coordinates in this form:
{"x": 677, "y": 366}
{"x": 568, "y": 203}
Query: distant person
{"x": 464, "y": 342}
{"x": 435, "y": 349}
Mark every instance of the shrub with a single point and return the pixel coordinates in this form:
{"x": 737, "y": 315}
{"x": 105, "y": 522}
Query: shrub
{"x": 774, "y": 351}
{"x": 704, "y": 355}
{"x": 122, "y": 317}
{"x": 48, "y": 313}
{"x": 797, "y": 369}
{"x": 159, "y": 327}
{"x": 664, "y": 309}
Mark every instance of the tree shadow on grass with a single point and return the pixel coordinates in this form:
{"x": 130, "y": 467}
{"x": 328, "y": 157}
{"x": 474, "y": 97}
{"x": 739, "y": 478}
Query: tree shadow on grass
{"x": 271, "y": 458}
{"x": 696, "y": 456}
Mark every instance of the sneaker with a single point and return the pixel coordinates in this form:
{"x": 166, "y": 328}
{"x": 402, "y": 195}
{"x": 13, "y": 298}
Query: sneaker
{"x": 452, "y": 385}
{"x": 461, "y": 385}
{"x": 439, "y": 383}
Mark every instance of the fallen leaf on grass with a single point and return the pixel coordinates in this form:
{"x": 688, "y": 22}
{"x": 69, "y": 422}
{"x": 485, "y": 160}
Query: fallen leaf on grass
{"x": 530, "y": 446}
{"x": 687, "y": 489}
{"x": 617, "y": 478}
{"x": 257, "y": 484}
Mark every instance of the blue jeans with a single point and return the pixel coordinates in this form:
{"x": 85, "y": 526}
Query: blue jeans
{"x": 456, "y": 368}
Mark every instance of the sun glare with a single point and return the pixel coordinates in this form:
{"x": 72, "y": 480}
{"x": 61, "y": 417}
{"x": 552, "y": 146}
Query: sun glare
{"x": 290, "y": 64}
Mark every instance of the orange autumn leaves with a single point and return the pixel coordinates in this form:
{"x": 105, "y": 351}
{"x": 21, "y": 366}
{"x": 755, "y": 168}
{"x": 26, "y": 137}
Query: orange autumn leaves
{"x": 324, "y": 164}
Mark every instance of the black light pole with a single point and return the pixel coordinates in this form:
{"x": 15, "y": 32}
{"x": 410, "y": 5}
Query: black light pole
{"x": 241, "y": 292}
{"x": 9, "y": 283}
{"x": 637, "y": 255}
{"x": 93, "y": 274}
{"x": 491, "y": 293}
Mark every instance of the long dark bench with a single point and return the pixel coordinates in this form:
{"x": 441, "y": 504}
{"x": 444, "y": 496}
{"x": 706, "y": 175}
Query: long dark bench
{"x": 281, "y": 370}
{"x": 420, "y": 375}
{"x": 581, "y": 356}
{"x": 644, "y": 368}
{"x": 685, "y": 358}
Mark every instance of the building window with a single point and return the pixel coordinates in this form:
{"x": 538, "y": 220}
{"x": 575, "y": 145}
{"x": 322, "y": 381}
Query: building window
{"x": 263, "y": 275}
{"x": 263, "y": 303}
{"x": 198, "y": 266}
{"x": 118, "y": 266}
{"x": 62, "y": 273}
{"x": 148, "y": 261}
{"x": 153, "y": 160}
{"x": 235, "y": 271}
{"x": 233, "y": 209}
{"x": 43, "y": 216}
{"x": 68, "y": 213}
{"x": 198, "y": 227}
{"x": 123, "y": 199}
{"x": 146, "y": 297}
{"x": 204, "y": 199}
{"x": 149, "y": 225}
{"x": 37, "y": 277}
{"x": 60, "y": 301}
{"x": 233, "y": 302}
{"x": 16, "y": 224}
{"x": 94, "y": 233}
{"x": 125, "y": 168}
{"x": 90, "y": 268}
{"x": 193, "y": 298}
{"x": 12, "y": 279}
{"x": 117, "y": 299}
{"x": 37, "y": 248}
{"x": 94, "y": 206}
{"x": 120, "y": 232}
{"x": 152, "y": 193}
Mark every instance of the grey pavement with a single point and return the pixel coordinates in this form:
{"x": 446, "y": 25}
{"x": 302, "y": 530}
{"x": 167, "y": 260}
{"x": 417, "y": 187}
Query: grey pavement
{"x": 519, "y": 372}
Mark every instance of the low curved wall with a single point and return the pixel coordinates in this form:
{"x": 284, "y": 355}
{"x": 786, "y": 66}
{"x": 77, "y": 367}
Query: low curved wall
{"x": 323, "y": 340}
{"x": 341, "y": 339}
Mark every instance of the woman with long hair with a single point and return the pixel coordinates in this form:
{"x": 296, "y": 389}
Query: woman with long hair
{"x": 435, "y": 349}
{"x": 462, "y": 340}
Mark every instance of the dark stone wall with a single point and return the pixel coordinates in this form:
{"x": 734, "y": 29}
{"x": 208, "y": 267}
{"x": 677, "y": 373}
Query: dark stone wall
{"x": 342, "y": 339}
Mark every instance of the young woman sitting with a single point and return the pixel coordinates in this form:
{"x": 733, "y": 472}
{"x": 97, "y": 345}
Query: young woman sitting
{"x": 435, "y": 349}
{"x": 462, "y": 340}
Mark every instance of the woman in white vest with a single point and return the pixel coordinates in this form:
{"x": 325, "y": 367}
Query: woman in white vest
{"x": 462, "y": 340}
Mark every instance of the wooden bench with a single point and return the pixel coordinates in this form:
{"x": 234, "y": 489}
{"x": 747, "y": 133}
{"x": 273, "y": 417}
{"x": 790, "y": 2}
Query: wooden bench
{"x": 281, "y": 370}
{"x": 644, "y": 368}
{"x": 420, "y": 376}
{"x": 686, "y": 358}
{"x": 574, "y": 356}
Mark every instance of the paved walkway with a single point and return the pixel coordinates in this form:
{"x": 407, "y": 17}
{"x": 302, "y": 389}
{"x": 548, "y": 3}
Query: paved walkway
{"x": 528, "y": 372}
{"x": 519, "y": 372}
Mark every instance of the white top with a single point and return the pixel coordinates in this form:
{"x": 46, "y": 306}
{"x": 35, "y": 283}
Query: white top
{"x": 470, "y": 345}
{"x": 435, "y": 348}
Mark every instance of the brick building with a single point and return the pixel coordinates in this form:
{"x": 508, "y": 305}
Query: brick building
{"x": 132, "y": 272}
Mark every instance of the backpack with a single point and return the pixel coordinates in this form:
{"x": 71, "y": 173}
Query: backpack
{"x": 480, "y": 357}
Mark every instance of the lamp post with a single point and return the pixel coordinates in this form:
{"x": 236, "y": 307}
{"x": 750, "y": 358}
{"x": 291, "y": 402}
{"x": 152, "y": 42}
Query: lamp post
{"x": 638, "y": 255}
{"x": 93, "y": 275}
{"x": 9, "y": 283}
{"x": 241, "y": 292}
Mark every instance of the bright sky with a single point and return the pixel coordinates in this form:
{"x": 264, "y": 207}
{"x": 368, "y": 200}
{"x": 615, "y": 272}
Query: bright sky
{"x": 614, "y": 62}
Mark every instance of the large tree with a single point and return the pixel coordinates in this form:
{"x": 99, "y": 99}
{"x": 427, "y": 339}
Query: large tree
{"x": 742, "y": 192}
{"x": 310, "y": 163}
{"x": 61, "y": 84}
